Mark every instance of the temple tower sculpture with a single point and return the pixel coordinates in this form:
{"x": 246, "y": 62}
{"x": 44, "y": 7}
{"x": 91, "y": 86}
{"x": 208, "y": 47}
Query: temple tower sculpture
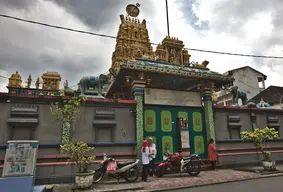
{"x": 132, "y": 42}
{"x": 51, "y": 81}
{"x": 171, "y": 50}
{"x": 15, "y": 80}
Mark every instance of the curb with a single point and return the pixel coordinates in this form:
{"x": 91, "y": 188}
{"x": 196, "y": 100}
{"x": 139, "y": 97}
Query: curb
{"x": 124, "y": 189}
{"x": 217, "y": 183}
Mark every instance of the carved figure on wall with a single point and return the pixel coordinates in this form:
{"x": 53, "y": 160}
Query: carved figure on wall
{"x": 237, "y": 94}
{"x": 202, "y": 65}
{"x": 93, "y": 85}
{"x": 113, "y": 72}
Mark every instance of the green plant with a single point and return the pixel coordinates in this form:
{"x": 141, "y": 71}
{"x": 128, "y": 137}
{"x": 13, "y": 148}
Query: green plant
{"x": 259, "y": 137}
{"x": 78, "y": 154}
{"x": 68, "y": 112}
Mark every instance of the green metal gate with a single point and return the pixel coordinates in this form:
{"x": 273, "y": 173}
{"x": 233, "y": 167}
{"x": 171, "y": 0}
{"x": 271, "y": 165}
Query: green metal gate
{"x": 160, "y": 124}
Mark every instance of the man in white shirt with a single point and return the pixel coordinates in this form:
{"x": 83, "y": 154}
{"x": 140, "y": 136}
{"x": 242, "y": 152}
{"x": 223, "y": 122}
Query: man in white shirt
{"x": 153, "y": 152}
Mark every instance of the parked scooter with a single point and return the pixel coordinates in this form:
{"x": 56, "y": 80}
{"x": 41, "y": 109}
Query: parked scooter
{"x": 177, "y": 163}
{"x": 127, "y": 170}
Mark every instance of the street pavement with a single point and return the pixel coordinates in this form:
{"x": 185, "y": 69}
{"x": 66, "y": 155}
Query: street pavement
{"x": 167, "y": 182}
{"x": 272, "y": 184}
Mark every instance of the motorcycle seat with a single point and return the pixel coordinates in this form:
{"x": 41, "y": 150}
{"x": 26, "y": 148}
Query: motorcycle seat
{"x": 186, "y": 157}
{"x": 189, "y": 157}
{"x": 121, "y": 164}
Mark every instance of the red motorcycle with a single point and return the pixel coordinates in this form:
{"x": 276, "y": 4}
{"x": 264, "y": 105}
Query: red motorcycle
{"x": 176, "y": 163}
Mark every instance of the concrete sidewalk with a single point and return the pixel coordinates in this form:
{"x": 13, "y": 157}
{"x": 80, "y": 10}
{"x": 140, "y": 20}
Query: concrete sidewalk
{"x": 259, "y": 169}
{"x": 167, "y": 182}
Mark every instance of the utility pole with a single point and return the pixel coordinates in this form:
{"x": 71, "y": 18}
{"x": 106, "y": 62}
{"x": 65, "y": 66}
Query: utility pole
{"x": 167, "y": 18}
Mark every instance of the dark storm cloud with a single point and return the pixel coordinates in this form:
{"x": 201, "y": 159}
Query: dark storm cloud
{"x": 32, "y": 49}
{"x": 16, "y": 4}
{"x": 15, "y": 58}
{"x": 99, "y": 13}
{"x": 190, "y": 15}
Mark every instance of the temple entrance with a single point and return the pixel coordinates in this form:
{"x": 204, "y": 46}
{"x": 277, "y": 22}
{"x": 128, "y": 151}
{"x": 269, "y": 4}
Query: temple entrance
{"x": 176, "y": 128}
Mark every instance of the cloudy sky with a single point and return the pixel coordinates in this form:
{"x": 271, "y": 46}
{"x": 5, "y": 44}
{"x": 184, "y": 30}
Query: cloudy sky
{"x": 238, "y": 26}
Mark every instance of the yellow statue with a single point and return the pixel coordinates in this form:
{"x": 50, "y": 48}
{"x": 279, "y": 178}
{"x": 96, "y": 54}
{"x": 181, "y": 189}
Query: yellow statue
{"x": 28, "y": 82}
{"x": 214, "y": 97}
{"x": 37, "y": 83}
{"x": 66, "y": 84}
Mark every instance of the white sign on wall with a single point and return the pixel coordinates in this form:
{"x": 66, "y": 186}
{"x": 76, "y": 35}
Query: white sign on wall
{"x": 20, "y": 158}
{"x": 171, "y": 97}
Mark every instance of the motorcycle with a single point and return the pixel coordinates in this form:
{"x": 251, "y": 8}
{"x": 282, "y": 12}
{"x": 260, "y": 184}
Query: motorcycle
{"x": 127, "y": 170}
{"x": 177, "y": 163}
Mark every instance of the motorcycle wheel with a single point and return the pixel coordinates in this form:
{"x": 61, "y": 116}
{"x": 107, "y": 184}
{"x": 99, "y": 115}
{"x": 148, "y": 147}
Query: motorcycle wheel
{"x": 132, "y": 175}
{"x": 194, "y": 169}
{"x": 98, "y": 176}
{"x": 160, "y": 171}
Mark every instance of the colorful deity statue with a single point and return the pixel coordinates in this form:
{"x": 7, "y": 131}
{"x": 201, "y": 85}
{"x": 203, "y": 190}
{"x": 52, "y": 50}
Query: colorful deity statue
{"x": 237, "y": 94}
{"x": 93, "y": 86}
{"x": 262, "y": 104}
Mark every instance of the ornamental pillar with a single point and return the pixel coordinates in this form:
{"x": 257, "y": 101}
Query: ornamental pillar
{"x": 208, "y": 113}
{"x": 138, "y": 92}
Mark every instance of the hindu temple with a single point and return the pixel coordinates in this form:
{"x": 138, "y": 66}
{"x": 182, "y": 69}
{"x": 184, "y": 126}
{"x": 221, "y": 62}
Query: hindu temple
{"x": 173, "y": 94}
{"x": 156, "y": 92}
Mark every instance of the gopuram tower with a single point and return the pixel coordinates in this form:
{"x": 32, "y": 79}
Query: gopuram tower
{"x": 132, "y": 41}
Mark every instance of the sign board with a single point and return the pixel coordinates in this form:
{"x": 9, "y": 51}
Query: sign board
{"x": 185, "y": 138}
{"x": 171, "y": 97}
{"x": 20, "y": 158}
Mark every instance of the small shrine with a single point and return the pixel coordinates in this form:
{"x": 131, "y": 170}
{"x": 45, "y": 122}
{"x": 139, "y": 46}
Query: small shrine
{"x": 15, "y": 80}
{"x": 51, "y": 81}
{"x": 50, "y": 85}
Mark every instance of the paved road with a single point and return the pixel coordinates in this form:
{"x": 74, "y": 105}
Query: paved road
{"x": 272, "y": 184}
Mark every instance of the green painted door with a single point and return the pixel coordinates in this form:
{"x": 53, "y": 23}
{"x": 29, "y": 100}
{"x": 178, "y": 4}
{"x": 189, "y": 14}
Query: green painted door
{"x": 160, "y": 124}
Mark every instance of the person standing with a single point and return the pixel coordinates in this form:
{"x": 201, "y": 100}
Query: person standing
{"x": 212, "y": 155}
{"x": 153, "y": 152}
{"x": 145, "y": 160}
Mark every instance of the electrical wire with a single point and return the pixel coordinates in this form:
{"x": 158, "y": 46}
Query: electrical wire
{"x": 113, "y": 37}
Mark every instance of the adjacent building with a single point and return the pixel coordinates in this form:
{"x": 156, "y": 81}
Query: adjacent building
{"x": 273, "y": 95}
{"x": 248, "y": 80}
